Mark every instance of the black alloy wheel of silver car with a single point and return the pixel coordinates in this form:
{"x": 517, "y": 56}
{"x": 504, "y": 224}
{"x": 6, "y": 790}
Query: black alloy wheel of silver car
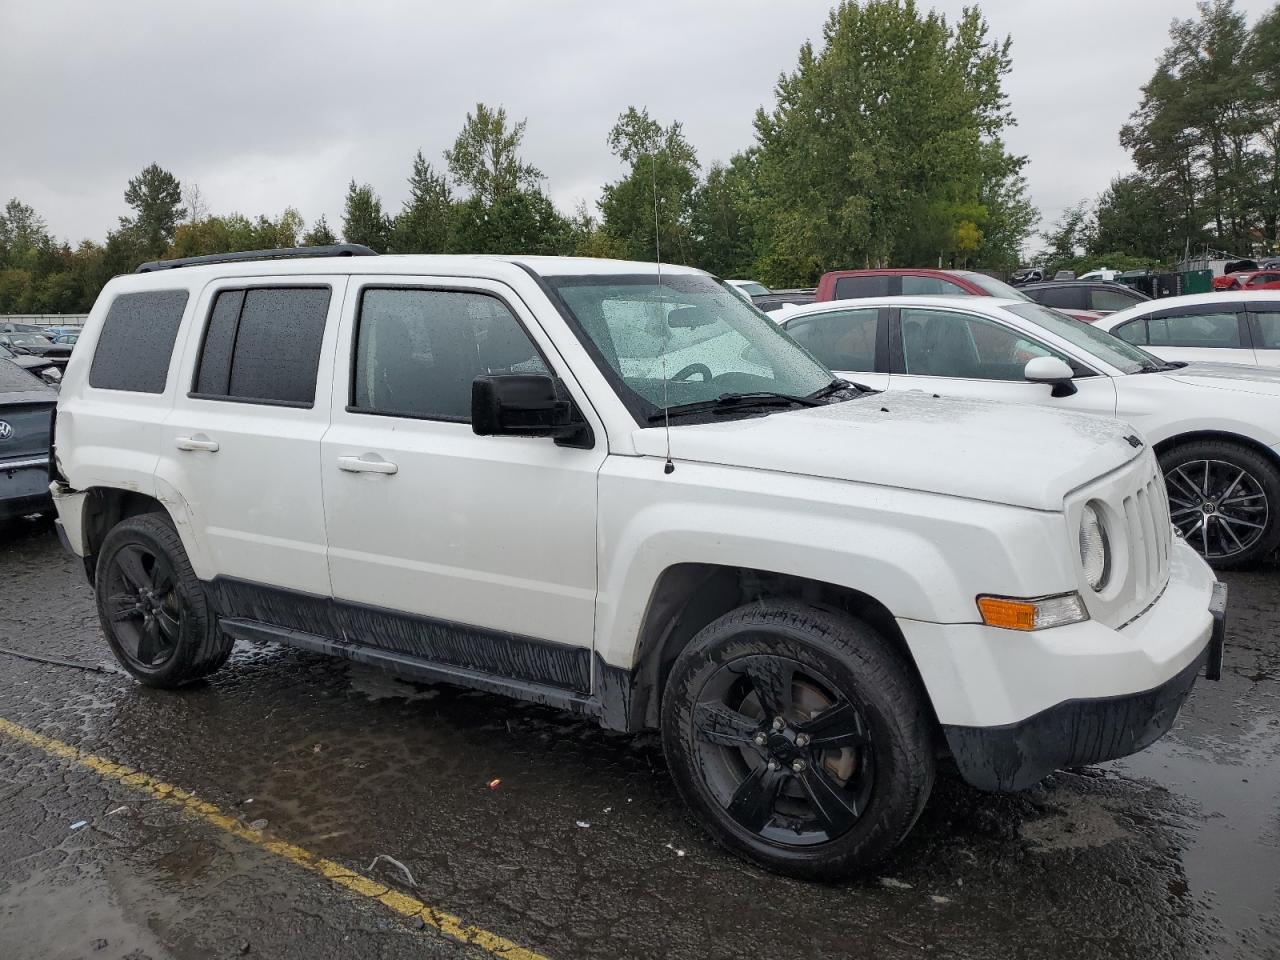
{"x": 153, "y": 608}
{"x": 1223, "y": 500}
{"x": 799, "y": 736}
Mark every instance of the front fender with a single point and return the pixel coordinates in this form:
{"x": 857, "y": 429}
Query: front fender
{"x": 923, "y": 556}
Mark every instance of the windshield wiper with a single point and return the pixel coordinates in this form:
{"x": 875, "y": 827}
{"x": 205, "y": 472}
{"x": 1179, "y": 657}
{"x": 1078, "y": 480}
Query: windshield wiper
{"x": 839, "y": 385}
{"x": 735, "y": 401}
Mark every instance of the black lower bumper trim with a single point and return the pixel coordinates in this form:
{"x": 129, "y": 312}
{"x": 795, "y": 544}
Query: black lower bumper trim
{"x": 1017, "y": 755}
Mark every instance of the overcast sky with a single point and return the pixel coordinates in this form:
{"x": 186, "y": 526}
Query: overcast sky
{"x": 268, "y": 105}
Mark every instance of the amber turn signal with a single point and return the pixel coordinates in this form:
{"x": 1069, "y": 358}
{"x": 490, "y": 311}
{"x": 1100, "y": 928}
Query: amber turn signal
{"x": 1012, "y": 613}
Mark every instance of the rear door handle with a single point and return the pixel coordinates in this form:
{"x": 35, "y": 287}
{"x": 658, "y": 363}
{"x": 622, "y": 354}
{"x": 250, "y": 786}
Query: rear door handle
{"x": 369, "y": 463}
{"x": 198, "y": 442}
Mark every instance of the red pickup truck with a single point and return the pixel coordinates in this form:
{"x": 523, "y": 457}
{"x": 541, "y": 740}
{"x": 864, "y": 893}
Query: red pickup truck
{"x": 920, "y": 281}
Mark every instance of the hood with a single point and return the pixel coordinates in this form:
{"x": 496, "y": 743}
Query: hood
{"x": 1018, "y": 454}
{"x": 1240, "y": 377}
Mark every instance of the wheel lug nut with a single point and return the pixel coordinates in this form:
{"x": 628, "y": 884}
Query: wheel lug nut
{"x": 773, "y": 764}
{"x": 761, "y": 739}
{"x": 778, "y": 723}
{"x": 799, "y": 766}
{"x": 802, "y": 740}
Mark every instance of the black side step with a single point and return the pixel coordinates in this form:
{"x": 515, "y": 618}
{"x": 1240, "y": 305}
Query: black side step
{"x": 427, "y": 671}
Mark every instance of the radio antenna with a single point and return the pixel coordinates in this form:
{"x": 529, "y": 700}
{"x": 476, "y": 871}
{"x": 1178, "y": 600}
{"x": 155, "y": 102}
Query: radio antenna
{"x": 668, "y": 467}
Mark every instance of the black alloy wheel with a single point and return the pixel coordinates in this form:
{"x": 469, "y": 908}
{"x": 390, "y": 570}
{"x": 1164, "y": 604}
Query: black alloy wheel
{"x": 787, "y": 756}
{"x": 144, "y": 604}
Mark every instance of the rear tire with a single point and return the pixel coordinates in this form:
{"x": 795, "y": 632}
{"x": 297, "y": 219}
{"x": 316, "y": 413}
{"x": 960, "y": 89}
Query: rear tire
{"x": 153, "y": 608}
{"x": 835, "y": 710}
{"x": 1232, "y": 516}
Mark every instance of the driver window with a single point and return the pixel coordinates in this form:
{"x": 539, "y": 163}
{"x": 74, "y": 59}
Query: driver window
{"x": 938, "y": 343}
{"x": 844, "y": 340}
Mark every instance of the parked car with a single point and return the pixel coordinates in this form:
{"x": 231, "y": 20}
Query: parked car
{"x": 1083, "y": 296}
{"x": 10, "y": 327}
{"x": 1240, "y": 327}
{"x": 67, "y": 338}
{"x": 38, "y": 366}
{"x": 55, "y": 333}
{"x": 750, "y": 287}
{"x": 855, "y": 284}
{"x": 645, "y": 504}
{"x": 1102, "y": 273}
{"x": 26, "y": 409}
{"x": 784, "y": 299}
{"x": 1026, "y": 275}
{"x": 1254, "y": 280}
{"x": 37, "y": 345}
{"x": 1215, "y": 427}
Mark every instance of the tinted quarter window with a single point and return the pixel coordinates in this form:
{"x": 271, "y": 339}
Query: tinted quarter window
{"x": 418, "y": 351}
{"x": 851, "y": 288}
{"x": 1195, "y": 330}
{"x": 843, "y": 340}
{"x": 136, "y": 341}
{"x": 264, "y": 344}
{"x": 1135, "y": 331}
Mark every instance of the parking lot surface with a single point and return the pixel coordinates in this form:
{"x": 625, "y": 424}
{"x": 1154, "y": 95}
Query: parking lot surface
{"x": 304, "y": 771}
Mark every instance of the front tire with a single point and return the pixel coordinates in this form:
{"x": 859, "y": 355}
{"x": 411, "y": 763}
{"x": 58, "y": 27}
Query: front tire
{"x": 799, "y": 737}
{"x": 152, "y": 606}
{"x": 1224, "y": 498}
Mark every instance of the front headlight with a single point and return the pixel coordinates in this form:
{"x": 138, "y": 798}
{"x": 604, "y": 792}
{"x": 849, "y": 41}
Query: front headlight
{"x": 1095, "y": 548}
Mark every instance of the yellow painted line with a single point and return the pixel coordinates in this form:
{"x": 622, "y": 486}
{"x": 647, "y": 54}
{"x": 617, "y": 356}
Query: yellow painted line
{"x": 401, "y": 904}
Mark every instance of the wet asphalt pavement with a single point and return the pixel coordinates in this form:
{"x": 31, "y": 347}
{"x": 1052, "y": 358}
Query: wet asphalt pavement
{"x": 1173, "y": 853}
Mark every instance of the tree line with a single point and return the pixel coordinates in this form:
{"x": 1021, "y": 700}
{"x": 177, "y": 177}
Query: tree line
{"x": 1205, "y": 140}
{"x": 883, "y": 146}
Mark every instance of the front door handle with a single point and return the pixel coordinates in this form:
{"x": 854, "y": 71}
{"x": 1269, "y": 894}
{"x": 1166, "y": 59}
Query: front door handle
{"x": 198, "y": 442}
{"x": 369, "y": 463}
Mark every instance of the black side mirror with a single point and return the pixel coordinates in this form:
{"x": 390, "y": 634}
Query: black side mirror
{"x": 526, "y": 405}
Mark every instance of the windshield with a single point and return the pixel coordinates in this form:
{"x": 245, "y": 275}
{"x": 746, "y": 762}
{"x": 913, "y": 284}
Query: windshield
{"x": 29, "y": 340}
{"x": 751, "y": 288}
{"x": 6, "y": 353}
{"x": 1105, "y": 346}
{"x": 684, "y": 340}
{"x": 996, "y": 288}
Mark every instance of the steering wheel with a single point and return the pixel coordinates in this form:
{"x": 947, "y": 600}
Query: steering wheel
{"x": 686, "y": 372}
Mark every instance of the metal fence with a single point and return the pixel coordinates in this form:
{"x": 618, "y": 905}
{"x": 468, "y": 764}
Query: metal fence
{"x": 45, "y": 319}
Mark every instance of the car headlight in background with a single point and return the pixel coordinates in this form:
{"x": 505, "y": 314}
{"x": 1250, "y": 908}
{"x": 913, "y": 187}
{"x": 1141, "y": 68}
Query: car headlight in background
{"x": 1095, "y": 548}
{"x": 51, "y": 375}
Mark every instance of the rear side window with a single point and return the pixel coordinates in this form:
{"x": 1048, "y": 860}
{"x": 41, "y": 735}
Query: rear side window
{"x": 1268, "y": 327}
{"x": 851, "y": 288}
{"x": 263, "y": 345}
{"x": 932, "y": 287}
{"x": 1068, "y": 297}
{"x": 1218, "y": 330}
{"x": 843, "y": 340}
{"x": 1112, "y": 299}
{"x": 136, "y": 341}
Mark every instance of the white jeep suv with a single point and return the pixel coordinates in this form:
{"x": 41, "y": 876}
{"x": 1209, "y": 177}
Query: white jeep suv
{"x": 619, "y": 490}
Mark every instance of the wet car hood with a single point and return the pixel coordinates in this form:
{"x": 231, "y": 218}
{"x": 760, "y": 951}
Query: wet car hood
{"x": 1242, "y": 377}
{"x": 1016, "y": 454}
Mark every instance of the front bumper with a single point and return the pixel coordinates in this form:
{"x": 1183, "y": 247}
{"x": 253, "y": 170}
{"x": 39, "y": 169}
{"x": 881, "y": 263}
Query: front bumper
{"x": 1015, "y": 706}
{"x": 1017, "y": 755}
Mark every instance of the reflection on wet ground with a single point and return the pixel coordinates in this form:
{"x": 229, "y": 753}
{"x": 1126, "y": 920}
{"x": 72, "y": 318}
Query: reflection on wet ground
{"x": 1173, "y": 853}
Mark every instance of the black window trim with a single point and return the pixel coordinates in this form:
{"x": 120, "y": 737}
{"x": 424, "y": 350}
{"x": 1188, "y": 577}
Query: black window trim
{"x": 238, "y": 286}
{"x": 350, "y": 406}
{"x": 898, "y": 367}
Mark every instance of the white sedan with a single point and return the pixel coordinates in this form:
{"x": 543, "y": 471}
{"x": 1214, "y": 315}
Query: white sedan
{"x": 1238, "y": 326}
{"x": 1215, "y": 427}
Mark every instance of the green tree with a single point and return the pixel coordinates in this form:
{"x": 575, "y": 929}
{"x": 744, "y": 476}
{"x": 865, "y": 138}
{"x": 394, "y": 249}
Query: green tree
{"x": 523, "y": 221}
{"x": 1134, "y": 215}
{"x": 1069, "y": 236}
{"x": 424, "y": 224}
{"x": 485, "y": 157}
{"x": 869, "y": 159}
{"x": 320, "y": 235}
{"x": 155, "y": 195}
{"x": 1264, "y": 61}
{"x": 364, "y": 222}
{"x": 649, "y": 210}
{"x": 725, "y": 219}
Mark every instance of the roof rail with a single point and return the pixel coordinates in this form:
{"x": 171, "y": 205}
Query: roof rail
{"x": 284, "y": 253}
